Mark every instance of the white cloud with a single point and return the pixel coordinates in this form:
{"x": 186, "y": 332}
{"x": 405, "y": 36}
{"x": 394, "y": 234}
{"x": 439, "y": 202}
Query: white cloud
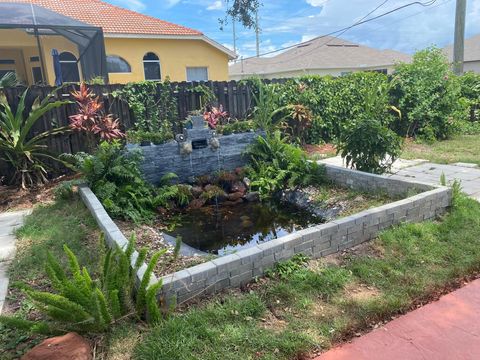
{"x": 216, "y": 5}
{"x": 317, "y": 3}
{"x": 135, "y": 5}
{"x": 171, "y": 3}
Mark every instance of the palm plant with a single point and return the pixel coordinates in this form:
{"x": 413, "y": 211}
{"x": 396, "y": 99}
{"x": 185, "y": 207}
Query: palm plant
{"x": 8, "y": 80}
{"x": 26, "y": 155}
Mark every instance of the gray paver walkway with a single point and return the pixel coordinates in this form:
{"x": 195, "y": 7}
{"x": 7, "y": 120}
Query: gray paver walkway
{"x": 424, "y": 171}
{"x": 8, "y": 223}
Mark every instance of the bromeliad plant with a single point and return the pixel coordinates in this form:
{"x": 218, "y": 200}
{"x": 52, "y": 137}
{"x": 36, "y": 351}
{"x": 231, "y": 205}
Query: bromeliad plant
{"x": 91, "y": 119}
{"x": 80, "y": 303}
{"x": 26, "y": 154}
{"x": 214, "y": 116}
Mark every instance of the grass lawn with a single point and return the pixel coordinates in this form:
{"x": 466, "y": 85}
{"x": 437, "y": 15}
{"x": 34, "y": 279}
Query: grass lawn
{"x": 302, "y": 309}
{"x": 465, "y": 148}
{"x": 47, "y": 229}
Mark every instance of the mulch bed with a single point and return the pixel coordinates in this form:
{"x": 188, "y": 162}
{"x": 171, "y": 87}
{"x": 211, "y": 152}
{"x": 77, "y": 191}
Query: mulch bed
{"x": 14, "y": 198}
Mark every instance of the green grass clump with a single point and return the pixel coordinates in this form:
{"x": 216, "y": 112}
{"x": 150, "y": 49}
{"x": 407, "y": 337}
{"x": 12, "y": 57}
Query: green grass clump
{"x": 464, "y": 148}
{"x": 48, "y": 229}
{"x": 304, "y": 307}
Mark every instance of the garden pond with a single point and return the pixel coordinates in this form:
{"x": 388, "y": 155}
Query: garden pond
{"x": 220, "y": 230}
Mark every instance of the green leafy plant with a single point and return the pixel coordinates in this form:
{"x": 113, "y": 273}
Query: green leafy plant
{"x": 8, "y": 80}
{"x": 80, "y": 303}
{"x": 285, "y": 269}
{"x": 205, "y": 94}
{"x": 157, "y": 138}
{"x": 275, "y": 164}
{"x": 368, "y": 144}
{"x": 24, "y": 153}
{"x": 266, "y": 108}
{"x": 428, "y": 94}
{"x": 169, "y": 195}
{"x": 235, "y": 127}
{"x": 153, "y": 105}
{"x": 114, "y": 176}
{"x": 296, "y": 123}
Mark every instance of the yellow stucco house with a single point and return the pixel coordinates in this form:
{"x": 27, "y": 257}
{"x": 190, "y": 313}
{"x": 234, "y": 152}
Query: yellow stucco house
{"x": 132, "y": 46}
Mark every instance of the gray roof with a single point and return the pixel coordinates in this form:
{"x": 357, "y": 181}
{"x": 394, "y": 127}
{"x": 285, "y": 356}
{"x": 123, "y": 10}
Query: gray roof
{"x": 322, "y": 53}
{"x": 472, "y": 49}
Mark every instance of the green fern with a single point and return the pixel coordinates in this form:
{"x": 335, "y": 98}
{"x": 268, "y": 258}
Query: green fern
{"x": 83, "y": 304}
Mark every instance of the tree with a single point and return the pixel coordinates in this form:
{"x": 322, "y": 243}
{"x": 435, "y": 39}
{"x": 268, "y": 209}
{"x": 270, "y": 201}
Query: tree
{"x": 242, "y": 11}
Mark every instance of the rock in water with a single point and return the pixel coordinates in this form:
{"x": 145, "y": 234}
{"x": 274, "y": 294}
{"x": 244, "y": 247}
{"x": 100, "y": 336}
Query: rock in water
{"x": 70, "y": 346}
{"x": 252, "y": 196}
{"x": 234, "y": 196}
{"x": 239, "y": 186}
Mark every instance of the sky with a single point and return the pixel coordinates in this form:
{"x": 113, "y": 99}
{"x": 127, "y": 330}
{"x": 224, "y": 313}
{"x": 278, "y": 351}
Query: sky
{"x": 286, "y": 22}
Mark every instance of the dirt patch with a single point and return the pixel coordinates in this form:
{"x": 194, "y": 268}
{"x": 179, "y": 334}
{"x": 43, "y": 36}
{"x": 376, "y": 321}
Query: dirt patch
{"x": 360, "y": 292}
{"x": 325, "y": 149}
{"x": 152, "y": 239}
{"x": 13, "y": 198}
{"x": 271, "y": 322}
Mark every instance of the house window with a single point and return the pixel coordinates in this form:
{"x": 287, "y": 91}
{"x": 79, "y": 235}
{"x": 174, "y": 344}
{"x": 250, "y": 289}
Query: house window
{"x": 117, "y": 64}
{"x": 7, "y": 62}
{"x": 34, "y": 59}
{"x": 69, "y": 66}
{"x": 37, "y": 75}
{"x": 197, "y": 74}
{"x": 151, "y": 67}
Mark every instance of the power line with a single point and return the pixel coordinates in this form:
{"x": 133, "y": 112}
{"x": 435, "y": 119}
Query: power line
{"x": 424, "y": 4}
{"x": 346, "y": 29}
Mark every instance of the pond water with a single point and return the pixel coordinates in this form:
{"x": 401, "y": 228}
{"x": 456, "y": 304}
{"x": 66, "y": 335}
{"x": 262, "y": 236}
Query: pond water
{"x": 222, "y": 230}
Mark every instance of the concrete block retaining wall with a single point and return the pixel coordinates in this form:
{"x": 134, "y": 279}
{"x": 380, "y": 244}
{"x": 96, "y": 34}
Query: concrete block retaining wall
{"x": 240, "y": 268}
{"x": 113, "y": 235}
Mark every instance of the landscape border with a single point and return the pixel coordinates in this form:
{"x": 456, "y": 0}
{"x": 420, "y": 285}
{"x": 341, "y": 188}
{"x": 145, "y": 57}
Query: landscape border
{"x": 237, "y": 269}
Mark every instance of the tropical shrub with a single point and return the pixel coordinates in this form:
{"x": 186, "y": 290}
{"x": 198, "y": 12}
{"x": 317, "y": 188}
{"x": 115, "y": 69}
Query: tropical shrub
{"x": 205, "y": 94}
{"x": 153, "y": 105}
{"x": 8, "y": 80}
{"x": 91, "y": 120}
{"x": 215, "y": 116}
{"x": 235, "y": 127}
{"x": 80, "y": 303}
{"x": 27, "y": 155}
{"x": 276, "y": 164}
{"x": 368, "y": 144}
{"x": 114, "y": 176}
{"x": 296, "y": 123}
{"x": 427, "y": 92}
{"x": 266, "y": 108}
{"x": 470, "y": 95}
{"x": 140, "y": 136}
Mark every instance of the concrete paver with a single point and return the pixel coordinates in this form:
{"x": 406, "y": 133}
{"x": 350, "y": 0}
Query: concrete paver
{"x": 447, "y": 329}
{"x": 8, "y": 223}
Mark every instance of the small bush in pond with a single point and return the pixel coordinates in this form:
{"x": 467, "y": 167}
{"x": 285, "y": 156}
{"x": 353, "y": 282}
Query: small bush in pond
{"x": 275, "y": 165}
{"x": 80, "y": 303}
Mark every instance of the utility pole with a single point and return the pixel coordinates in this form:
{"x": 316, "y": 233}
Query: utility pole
{"x": 234, "y": 36}
{"x": 458, "y": 44}
{"x": 257, "y": 33}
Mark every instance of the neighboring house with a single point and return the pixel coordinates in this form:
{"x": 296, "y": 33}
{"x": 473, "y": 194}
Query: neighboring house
{"x": 471, "y": 55}
{"x": 137, "y": 47}
{"x": 323, "y": 56}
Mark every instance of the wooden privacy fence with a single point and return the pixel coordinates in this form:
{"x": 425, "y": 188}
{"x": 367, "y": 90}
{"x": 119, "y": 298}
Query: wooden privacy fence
{"x": 236, "y": 97}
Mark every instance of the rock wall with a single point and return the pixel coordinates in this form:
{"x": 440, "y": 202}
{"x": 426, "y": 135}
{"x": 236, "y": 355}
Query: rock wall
{"x": 196, "y": 152}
